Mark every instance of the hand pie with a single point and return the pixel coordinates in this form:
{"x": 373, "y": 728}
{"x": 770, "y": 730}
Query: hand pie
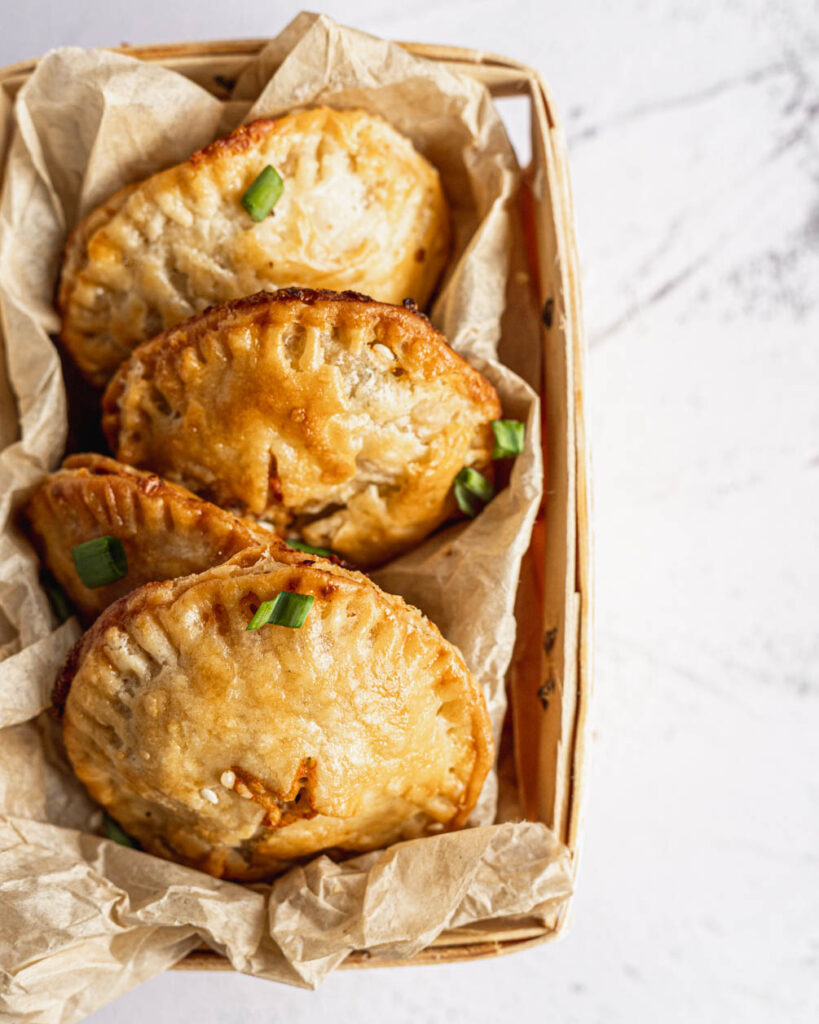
{"x": 339, "y": 419}
{"x": 360, "y": 209}
{"x": 236, "y": 751}
{"x": 166, "y": 531}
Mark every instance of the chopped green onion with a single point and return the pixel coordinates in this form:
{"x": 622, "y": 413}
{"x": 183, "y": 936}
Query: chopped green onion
{"x": 509, "y": 436}
{"x": 113, "y": 830}
{"x": 100, "y": 561}
{"x": 263, "y": 194}
{"x": 472, "y": 491}
{"x": 309, "y": 550}
{"x": 286, "y": 609}
{"x": 60, "y": 604}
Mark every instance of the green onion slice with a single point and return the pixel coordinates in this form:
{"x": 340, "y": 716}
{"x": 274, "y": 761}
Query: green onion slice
{"x": 509, "y": 436}
{"x": 472, "y": 491}
{"x": 286, "y": 609}
{"x": 60, "y": 604}
{"x": 264, "y": 193}
{"x": 113, "y": 830}
{"x": 309, "y": 550}
{"x": 100, "y": 561}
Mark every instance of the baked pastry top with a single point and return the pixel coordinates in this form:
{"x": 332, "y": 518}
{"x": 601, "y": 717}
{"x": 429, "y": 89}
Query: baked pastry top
{"x": 165, "y": 530}
{"x": 236, "y": 751}
{"x": 361, "y": 209}
{"x": 339, "y": 419}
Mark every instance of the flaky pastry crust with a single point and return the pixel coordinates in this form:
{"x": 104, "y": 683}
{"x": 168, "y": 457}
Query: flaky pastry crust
{"x": 337, "y": 418}
{"x": 166, "y": 530}
{"x": 237, "y": 752}
{"x": 361, "y": 209}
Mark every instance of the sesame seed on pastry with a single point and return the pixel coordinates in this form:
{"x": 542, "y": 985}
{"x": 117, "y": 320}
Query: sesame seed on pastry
{"x": 238, "y": 751}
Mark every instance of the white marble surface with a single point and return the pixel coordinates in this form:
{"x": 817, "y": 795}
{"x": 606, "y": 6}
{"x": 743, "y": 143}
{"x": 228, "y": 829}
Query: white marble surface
{"x": 694, "y": 133}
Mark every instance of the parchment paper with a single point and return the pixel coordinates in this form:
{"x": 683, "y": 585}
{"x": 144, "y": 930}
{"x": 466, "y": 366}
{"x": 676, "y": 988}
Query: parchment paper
{"x": 81, "y": 919}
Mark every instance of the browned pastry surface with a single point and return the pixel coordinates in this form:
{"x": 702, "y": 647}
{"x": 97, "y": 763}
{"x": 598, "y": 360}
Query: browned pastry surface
{"x": 166, "y": 531}
{"x": 337, "y": 418}
{"x": 236, "y": 751}
{"x": 360, "y": 209}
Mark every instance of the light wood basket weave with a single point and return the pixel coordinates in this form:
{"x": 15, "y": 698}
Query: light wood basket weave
{"x": 550, "y": 679}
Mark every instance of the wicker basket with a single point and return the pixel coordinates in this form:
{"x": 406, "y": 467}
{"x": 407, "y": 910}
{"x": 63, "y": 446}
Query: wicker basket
{"x": 550, "y": 680}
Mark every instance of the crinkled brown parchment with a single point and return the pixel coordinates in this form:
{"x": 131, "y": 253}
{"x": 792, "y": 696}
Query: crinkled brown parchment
{"x": 81, "y": 919}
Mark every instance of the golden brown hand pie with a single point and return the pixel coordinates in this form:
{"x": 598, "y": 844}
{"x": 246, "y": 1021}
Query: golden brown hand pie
{"x": 235, "y": 751}
{"x": 166, "y": 531}
{"x": 337, "y": 418}
{"x": 360, "y": 209}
